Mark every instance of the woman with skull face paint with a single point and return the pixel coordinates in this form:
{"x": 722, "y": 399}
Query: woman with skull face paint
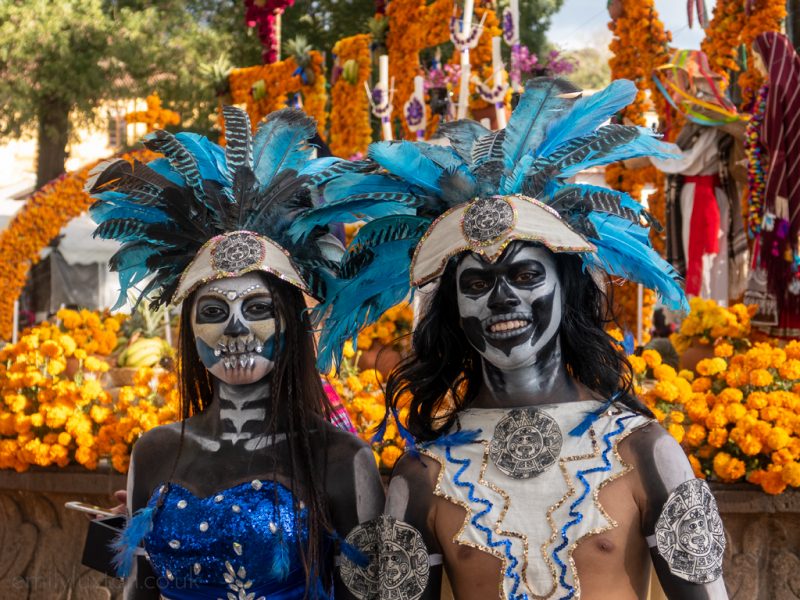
{"x": 534, "y": 472}
{"x": 245, "y": 496}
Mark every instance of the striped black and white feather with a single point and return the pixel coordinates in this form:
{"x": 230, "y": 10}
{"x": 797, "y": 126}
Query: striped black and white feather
{"x": 164, "y": 211}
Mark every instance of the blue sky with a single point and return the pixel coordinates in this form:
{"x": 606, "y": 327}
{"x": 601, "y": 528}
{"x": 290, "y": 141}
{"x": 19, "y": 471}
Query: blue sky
{"x": 582, "y": 23}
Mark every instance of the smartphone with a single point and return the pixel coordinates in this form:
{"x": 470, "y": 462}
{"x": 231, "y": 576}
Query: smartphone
{"x": 89, "y": 508}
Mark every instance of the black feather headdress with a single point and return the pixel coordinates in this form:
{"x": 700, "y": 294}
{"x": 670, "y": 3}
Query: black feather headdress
{"x": 203, "y": 212}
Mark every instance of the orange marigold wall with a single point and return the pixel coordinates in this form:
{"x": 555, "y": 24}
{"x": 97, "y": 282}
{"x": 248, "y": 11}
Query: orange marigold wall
{"x": 34, "y": 226}
{"x": 280, "y": 81}
{"x": 351, "y": 131}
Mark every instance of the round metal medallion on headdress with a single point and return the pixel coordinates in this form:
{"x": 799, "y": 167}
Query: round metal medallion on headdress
{"x": 399, "y": 565}
{"x": 237, "y": 251}
{"x": 526, "y": 442}
{"x": 689, "y": 533}
{"x": 486, "y": 219}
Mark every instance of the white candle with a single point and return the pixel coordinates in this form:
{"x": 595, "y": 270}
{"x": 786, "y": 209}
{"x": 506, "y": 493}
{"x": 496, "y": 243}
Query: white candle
{"x": 497, "y": 67}
{"x": 515, "y": 16}
{"x": 383, "y": 85}
{"x": 383, "y": 71}
{"x": 419, "y": 88}
{"x": 466, "y": 18}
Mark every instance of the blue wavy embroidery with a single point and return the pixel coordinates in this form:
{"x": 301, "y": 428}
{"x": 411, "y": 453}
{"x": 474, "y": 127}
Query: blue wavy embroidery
{"x": 576, "y": 515}
{"x": 513, "y": 561}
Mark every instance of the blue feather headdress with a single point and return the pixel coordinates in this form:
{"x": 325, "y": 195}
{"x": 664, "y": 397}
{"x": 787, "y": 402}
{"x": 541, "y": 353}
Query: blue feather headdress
{"x": 424, "y": 203}
{"x": 203, "y": 212}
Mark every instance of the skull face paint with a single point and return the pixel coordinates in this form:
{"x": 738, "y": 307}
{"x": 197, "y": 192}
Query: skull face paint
{"x": 234, "y": 323}
{"x": 511, "y": 309}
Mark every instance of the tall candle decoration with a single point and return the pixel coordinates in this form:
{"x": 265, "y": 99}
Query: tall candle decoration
{"x": 414, "y": 109}
{"x": 495, "y": 92}
{"x": 380, "y": 97}
{"x": 465, "y": 36}
{"x": 511, "y": 36}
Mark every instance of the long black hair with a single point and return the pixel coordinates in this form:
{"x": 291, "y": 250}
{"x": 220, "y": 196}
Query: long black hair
{"x": 296, "y": 394}
{"x": 443, "y": 374}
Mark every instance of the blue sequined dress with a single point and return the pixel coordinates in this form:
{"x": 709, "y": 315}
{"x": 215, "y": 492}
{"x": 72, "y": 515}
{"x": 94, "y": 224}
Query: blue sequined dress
{"x": 239, "y": 543}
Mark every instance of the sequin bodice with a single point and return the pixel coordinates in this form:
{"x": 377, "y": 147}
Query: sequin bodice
{"x": 243, "y": 539}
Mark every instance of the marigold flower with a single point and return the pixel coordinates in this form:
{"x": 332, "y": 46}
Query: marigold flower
{"x": 677, "y": 431}
{"x": 761, "y": 378}
{"x": 695, "y": 434}
{"x": 664, "y": 372}
{"x": 717, "y": 437}
{"x": 730, "y": 396}
{"x": 711, "y": 366}
{"x": 389, "y": 456}
{"x": 790, "y": 369}
{"x": 778, "y": 438}
{"x": 701, "y": 384}
{"x": 727, "y": 467}
{"x": 651, "y": 357}
{"x": 723, "y": 350}
{"x": 791, "y": 474}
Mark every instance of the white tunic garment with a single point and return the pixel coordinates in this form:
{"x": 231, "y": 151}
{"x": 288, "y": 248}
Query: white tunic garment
{"x": 534, "y": 524}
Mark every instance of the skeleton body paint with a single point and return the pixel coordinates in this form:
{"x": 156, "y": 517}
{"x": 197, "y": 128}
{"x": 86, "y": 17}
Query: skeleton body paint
{"x": 234, "y": 324}
{"x": 511, "y": 314}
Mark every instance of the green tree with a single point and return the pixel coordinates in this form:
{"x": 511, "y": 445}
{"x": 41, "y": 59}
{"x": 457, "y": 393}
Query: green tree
{"x": 60, "y": 60}
{"x": 592, "y": 71}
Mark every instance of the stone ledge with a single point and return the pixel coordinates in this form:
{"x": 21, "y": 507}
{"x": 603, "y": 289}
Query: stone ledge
{"x": 745, "y": 498}
{"x": 68, "y": 480}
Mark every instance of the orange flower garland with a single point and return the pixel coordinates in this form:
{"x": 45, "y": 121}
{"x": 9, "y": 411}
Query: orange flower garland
{"x": 414, "y": 26}
{"x": 34, "y": 226}
{"x": 722, "y": 36}
{"x": 640, "y": 44}
{"x": 155, "y": 117}
{"x": 767, "y": 15}
{"x": 280, "y": 81}
{"x": 351, "y": 131}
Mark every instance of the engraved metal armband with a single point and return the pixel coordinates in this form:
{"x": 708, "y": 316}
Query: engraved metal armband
{"x": 689, "y": 533}
{"x": 398, "y": 561}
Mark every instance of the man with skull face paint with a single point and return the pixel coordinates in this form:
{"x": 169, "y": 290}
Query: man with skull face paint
{"x": 533, "y": 471}
{"x": 247, "y": 494}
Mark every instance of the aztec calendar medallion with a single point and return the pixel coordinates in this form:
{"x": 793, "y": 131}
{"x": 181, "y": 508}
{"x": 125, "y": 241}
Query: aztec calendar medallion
{"x": 486, "y": 219}
{"x": 689, "y": 533}
{"x": 398, "y": 568}
{"x": 525, "y": 443}
{"x": 236, "y": 252}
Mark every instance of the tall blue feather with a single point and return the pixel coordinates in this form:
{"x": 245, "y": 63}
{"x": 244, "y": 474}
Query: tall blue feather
{"x": 281, "y": 559}
{"x": 407, "y": 160}
{"x": 282, "y": 143}
{"x": 353, "y": 304}
{"x": 539, "y": 104}
{"x": 624, "y": 250}
{"x": 209, "y": 156}
{"x": 586, "y": 115}
{"x": 126, "y": 543}
{"x": 362, "y": 207}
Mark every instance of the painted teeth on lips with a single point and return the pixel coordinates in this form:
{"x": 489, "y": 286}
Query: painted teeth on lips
{"x": 508, "y": 325}
{"x": 239, "y": 361}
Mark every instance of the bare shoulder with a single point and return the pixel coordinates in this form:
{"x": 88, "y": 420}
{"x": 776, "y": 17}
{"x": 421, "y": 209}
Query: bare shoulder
{"x": 156, "y": 443}
{"x": 418, "y": 469}
{"x": 340, "y": 445}
{"x": 661, "y": 466}
{"x": 651, "y": 448}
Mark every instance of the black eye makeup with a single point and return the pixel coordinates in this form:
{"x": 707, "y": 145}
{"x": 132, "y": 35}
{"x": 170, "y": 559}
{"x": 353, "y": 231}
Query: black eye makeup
{"x": 211, "y": 310}
{"x": 258, "y": 308}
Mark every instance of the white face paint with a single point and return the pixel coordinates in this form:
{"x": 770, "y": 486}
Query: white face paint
{"x": 511, "y": 310}
{"x": 234, "y": 324}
